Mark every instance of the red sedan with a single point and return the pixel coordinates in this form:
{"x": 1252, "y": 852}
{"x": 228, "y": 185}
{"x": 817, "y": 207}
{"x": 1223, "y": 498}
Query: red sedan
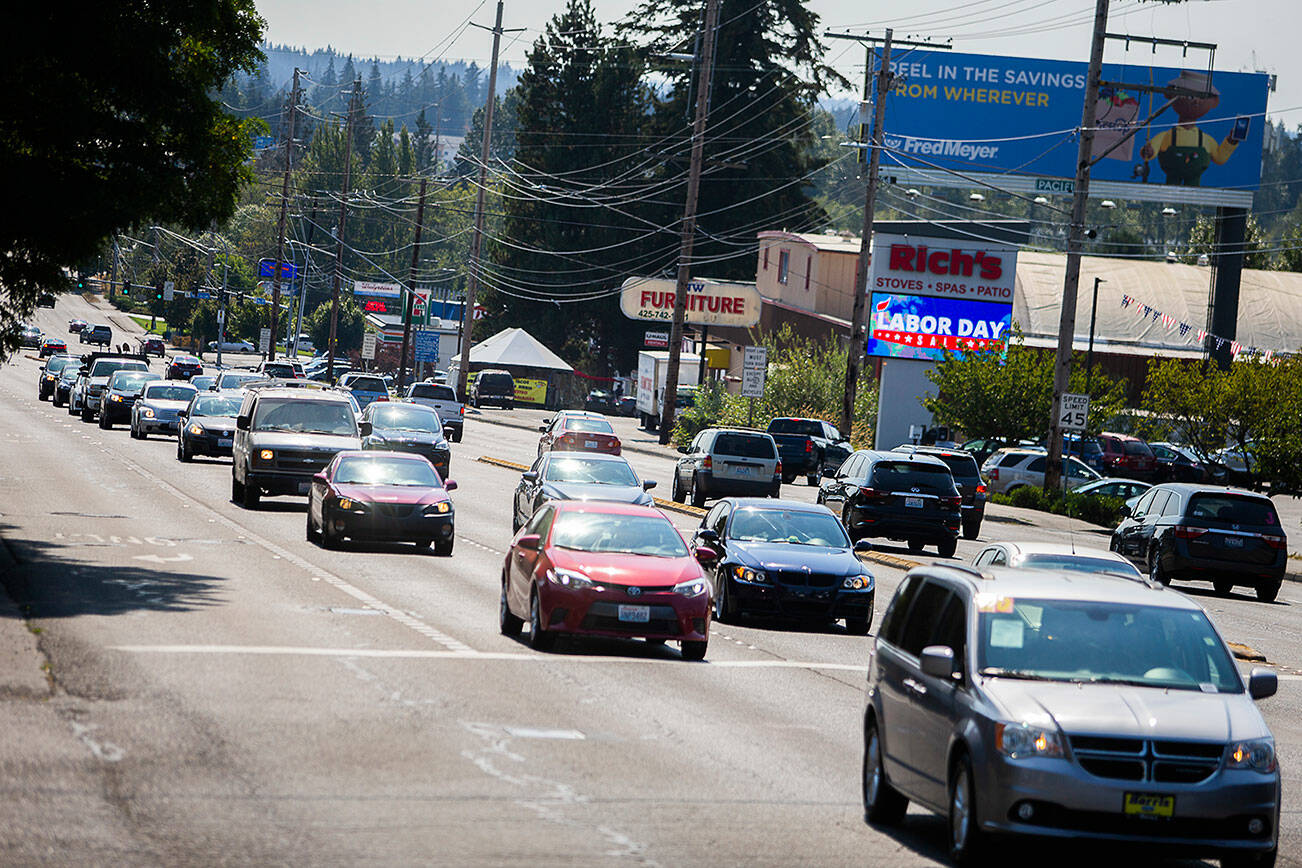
{"x": 605, "y": 569}
{"x": 381, "y": 496}
{"x": 578, "y": 432}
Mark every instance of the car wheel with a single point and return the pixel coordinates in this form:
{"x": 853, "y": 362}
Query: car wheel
{"x": 725, "y": 610}
{"x": 947, "y": 548}
{"x": 882, "y": 804}
{"x": 329, "y": 539}
{"x": 811, "y": 479}
{"x": 515, "y": 521}
{"x": 859, "y": 626}
{"x": 237, "y": 489}
{"x": 788, "y": 478}
{"x": 252, "y": 496}
{"x": 698, "y": 494}
{"x": 915, "y": 545}
{"x": 966, "y": 840}
{"x": 1249, "y": 860}
{"x": 539, "y": 639}
{"x": 1268, "y": 591}
{"x": 104, "y": 422}
{"x": 694, "y": 650}
{"x": 971, "y": 529}
{"x": 183, "y": 451}
{"x": 1223, "y": 587}
{"x": 456, "y": 436}
{"x": 676, "y": 492}
{"x": 444, "y": 547}
{"x": 310, "y": 533}
{"x": 1155, "y": 569}
{"x": 508, "y": 623}
{"x": 775, "y": 491}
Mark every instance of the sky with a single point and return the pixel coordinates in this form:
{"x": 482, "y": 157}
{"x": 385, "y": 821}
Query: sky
{"x": 1252, "y": 35}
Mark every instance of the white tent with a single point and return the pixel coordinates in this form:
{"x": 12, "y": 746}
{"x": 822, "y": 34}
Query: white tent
{"x": 513, "y": 347}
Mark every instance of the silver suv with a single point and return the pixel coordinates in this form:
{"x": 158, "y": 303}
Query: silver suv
{"x": 1013, "y": 468}
{"x": 725, "y": 462}
{"x": 1060, "y": 705}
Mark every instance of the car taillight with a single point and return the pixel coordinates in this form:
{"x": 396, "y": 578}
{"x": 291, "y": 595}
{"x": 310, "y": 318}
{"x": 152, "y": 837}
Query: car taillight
{"x": 981, "y": 489}
{"x": 956, "y": 500}
{"x": 462, "y": 411}
{"x": 707, "y": 463}
{"x": 777, "y": 470}
{"x": 382, "y": 398}
{"x": 567, "y": 439}
{"x": 809, "y": 445}
{"x": 870, "y": 493}
{"x": 618, "y": 446}
{"x": 1275, "y": 542}
{"x": 1184, "y": 531}
{"x": 994, "y": 474}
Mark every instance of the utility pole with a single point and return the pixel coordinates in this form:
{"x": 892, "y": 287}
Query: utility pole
{"x": 885, "y": 78}
{"x": 1075, "y": 244}
{"x": 669, "y": 395}
{"x": 477, "y": 239}
{"x": 117, "y": 254}
{"x": 411, "y": 286}
{"x": 1094, "y": 315}
{"x": 284, "y": 205}
{"x": 339, "y": 231}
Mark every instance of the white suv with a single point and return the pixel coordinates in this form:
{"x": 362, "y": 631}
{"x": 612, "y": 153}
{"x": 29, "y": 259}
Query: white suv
{"x": 1013, "y": 468}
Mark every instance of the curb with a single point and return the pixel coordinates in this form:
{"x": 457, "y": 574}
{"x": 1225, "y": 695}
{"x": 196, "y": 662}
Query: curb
{"x": 659, "y": 501}
{"x": 891, "y": 560}
{"x": 627, "y": 447}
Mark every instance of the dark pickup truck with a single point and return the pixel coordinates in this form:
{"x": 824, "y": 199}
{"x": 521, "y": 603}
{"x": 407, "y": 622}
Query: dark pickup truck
{"x": 808, "y": 448}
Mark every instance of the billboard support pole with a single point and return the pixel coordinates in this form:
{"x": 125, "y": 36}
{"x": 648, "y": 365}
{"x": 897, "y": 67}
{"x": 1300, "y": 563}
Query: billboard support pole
{"x": 284, "y": 206}
{"x": 411, "y": 287}
{"x": 339, "y": 231}
{"x": 1075, "y": 243}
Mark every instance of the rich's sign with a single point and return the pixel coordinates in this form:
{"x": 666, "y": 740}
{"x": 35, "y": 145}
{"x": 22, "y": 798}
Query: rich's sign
{"x": 709, "y": 302}
{"x": 943, "y": 267}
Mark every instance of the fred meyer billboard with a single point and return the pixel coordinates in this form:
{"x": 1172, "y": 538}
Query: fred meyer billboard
{"x": 930, "y": 295}
{"x": 1005, "y": 116}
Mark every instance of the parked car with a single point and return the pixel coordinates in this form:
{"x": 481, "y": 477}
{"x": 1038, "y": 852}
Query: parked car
{"x": 1087, "y": 449}
{"x": 808, "y": 447}
{"x": 52, "y": 346}
{"x": 1010, "y": 469}
{"x": 381, "y": 496}
{"x": 722, "y": 462}
{"x": 605, "y": 569}
{"x": 48, "y": 379}
{"x": 577, "y": 476}
{"x": 30, "y": 336}
{"x": 233, "y": 346}
{"x": 365, "y": 387}
{"x": 493, "y": 387}
{"x": 1237, "y": 465}
{"x": 120, "y": 395}
{"x": 982, "y": 448}
{"x": 442, "y": 399}
{"x": 235, "y": 379}
{"x": 303, "y": 344}
{"x": 158, "y": 410}
{"x": 1180, "y": 531}
{"x": 1124, "y": 455}
{"x": 626, "y": 405}
{"x": 184, "y": 368}
{"x": 1115, "y": 488}
{"x": 890, "y": 495}
{"x": 967, "y": 478}
{"x": 100, "y": 335}
{"x": 1175, "y": 463}
{"x": 599, "y": 401}
{"x": 284, "y": 436}
{"x": 152, "y": 346}
{"x": 208, "y": 425}
{"x": 571, "y": 432}
{"x": 786, "y": 559}
{"x": 1055, "y": 556}
{"x": 408, "y": 428}
{"x": 1066, "y": 707}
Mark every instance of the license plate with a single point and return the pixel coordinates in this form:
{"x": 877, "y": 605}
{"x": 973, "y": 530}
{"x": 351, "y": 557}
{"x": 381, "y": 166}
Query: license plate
{"x": 741, "y": 471}
{"x": 1234, "y": 542}
{"x": 591, "y": 444}
{"x": 304, "y": 487}
{"x": 1149, "y": 805}
{"x": 913, "y": 502}
{"x": 224, "y": 441}
{"x": 635, "y": 614}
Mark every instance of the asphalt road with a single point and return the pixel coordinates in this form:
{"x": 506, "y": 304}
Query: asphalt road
{"x": 222, "y": 691}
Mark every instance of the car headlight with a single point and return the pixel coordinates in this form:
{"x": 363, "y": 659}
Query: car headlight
{"x": 348, "y": 504}
{"x": 1257, "y": 755}
{"x": 196, "y": 430}
{"x": 148, "y": 413}
{"x": 115, "y": 397}
{"x": 862, "y": 582}
{"x": 1019, "y": 741}
{"x": 692, "y": 587}
{"x": 569, "y": 578}
{"x": 266, "y": 455}
{"x": 746, "y": 574}
{"x": 441, "y": 508}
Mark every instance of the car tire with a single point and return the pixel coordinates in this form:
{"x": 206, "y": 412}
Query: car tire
{"x": 539, "y": 639}
{"x": 676, "y": 489}
{"x": 508, "y": 623}
{"x": 694, "y": 649}
{"x": 915, "y": 545}
{"x": 698, "y": 494}
{"x": 971, "y": 529}
{"x": 1259, "y": 859}
{"x": 776, "y": 491}
{"x": 104, "y": 423}
{"x": 966, "y": 840}
{"x": 725, "y": 609}
{"x": 329, "y": 539}
{"x": 1155, "y": 570}
{"x": 456, "y": 436}
{"x": 237, "y": 489}
{"x": 859, "y": 626}
{"x": 1223, "y": 587}
{"x": 310, "y": 533}
{"x": 86, "y": 414}
{"x": 1268, "y": 591}
{"x": 811, "y": 479}
{"x": 788, "y": 478}
{"x": 252, "y": 496}
{"x": 183, "y": 453}
{"x": 883, "y": 805}
{"x": 947, "y": 548}
{"x": 444, "y": 547}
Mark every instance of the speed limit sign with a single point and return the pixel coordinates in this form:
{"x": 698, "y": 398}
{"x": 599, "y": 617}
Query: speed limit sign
{"x": 1073, "y": 412}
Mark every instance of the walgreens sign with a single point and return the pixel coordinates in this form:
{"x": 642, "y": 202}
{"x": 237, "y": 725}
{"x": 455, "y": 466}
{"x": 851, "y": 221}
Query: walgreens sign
{"x": 943, "y": 268}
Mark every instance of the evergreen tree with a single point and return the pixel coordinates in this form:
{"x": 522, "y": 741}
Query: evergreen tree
{"x": 423, "y": 145}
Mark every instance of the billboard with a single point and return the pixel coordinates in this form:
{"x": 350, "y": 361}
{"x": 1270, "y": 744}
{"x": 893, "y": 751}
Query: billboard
{"x": 709, "y": 302}
{"x": 932, "y": 295}
{"x": 371, "y": 289}
{"x": 1016, "y": 118}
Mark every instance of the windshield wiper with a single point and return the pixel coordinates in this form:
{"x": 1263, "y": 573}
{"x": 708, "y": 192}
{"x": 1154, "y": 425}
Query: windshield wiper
{"x": 1020, "y": 674}
{"x": 1134, "y": 682}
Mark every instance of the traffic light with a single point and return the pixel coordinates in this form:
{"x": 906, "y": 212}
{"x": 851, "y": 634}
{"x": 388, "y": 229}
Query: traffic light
{"x": 158, "y": 292}
{"x": 81, "y": 283}
{"x": 126, "y": 287}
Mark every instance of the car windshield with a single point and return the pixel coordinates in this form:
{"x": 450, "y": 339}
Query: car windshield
{"x": 1137, "y": 447}
{"x": 305, "y": 417}
{"x": 169, "y": 393}
{"x": 202, "y": 382}
{"x": 433, "y": 391}
{"x": 273, "y": 369}
{"x": 1234, "y": 508}
{"x": 56, "y": 365}
{"x": 807, "y": 427}
{"x": 591, "y": 426}
{"x": 597, "y": 472}
{"x": 185, "y": 360}
{"x": 405, "y": 417}
{"x": 962, "y": 467}
{"x": 1085, "y": 641}
{"x": 108, "y": 367}
{"x": 745, "y": 445}
{"x": 794, "y": 526}
{"x": 386, "y": 471}
{"x": 216, "y": 406}
{"x": 929, "y": 478}
{"x": 649, "y": 535}
{"x": 236, "y": 378}
{"x": 1079, "y": 564}
{"x": 367, "y": 384}
{"x": 131, "y": 382}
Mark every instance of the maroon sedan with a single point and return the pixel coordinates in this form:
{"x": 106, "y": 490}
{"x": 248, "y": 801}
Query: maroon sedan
{"x": 391, "y": 496}
{"x": 605, "y": 569}
{"x": 578, "y": 432}
{"x": 75, "y": 326}
{"x": 184, "y": 367}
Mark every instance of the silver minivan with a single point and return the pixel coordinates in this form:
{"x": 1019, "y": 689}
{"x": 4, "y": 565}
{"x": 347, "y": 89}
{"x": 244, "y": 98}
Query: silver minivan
{"x": 1067, "y": 706}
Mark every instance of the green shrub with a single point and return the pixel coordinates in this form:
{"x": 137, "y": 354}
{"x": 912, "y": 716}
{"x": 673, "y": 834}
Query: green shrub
{"x": 1105, "y": 511}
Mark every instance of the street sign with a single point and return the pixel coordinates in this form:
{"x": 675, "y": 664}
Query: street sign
{"x": 754, "y": 367}
{"x": 656, "y": 340}
{"x": 267, "y": 268}
{"x": 169, "y": 288}
{"x": 427, "y": 346}
{"x": 368, "y": 345}
{"x": 1074, "y": 412}
{"x": 264, "y": 340}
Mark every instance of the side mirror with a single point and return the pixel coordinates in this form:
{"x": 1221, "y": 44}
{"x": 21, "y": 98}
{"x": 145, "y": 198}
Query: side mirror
{"x": 320, "y": 477}
{"x": 648, "y": 484}
{"x": 448, "y": 430}
{"x": 708, "y": 535}
{"x": 684, "y": 450}
{"x": 529, "y": 476}
{"x": 1125, "y": 510}
{"x": 862, "y": 547}
{"x": 938, "y": 661}
{"x": 530, "y": 541}
{"x": 1262, "y": 683}
{"x": 705, "y": 555}
{"x": 183, "y": 414}
{"x": 542, "y": 427}
{"x": 242, "y": 423}
{"x": 449, "y": 485}
{"x": 365, "y": 428}
{"x": 827, "y": 472}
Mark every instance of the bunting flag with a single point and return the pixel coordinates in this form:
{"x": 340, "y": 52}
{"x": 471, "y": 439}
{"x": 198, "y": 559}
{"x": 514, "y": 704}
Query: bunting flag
{"x": 1147, "y": 310}
{"x": 1126, "y": 300}
{"x": 1184, "y": 329}
{"x": 1171, "y": 323}
{"x": 1168, "y": 320}
{"x": 1235, "y": 347}
{"x": 1202, "y": 336}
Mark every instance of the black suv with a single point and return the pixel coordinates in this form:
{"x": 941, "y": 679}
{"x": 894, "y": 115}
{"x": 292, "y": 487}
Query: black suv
{"x": 967, "y": 478}
{"x": 1187, "y": 532}
{"x": 283, "y": 437}
{"x": 493, "y": 387}
{"x": 894, "y": 496}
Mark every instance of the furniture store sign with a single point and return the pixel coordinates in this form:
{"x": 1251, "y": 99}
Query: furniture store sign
{"x": 709, "y": 302}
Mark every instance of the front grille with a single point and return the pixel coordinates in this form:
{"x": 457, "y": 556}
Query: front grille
{"x": 395, "y": 510}
{"x": 1049, "y": 815}
{"x": 1133, "y": 759}
{"x": 802, "y": 579}
{"x": 300, "y": 461}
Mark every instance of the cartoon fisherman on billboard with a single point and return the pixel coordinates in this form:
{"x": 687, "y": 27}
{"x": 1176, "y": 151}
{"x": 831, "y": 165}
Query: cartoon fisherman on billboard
{"x": 1184, "y": 152}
